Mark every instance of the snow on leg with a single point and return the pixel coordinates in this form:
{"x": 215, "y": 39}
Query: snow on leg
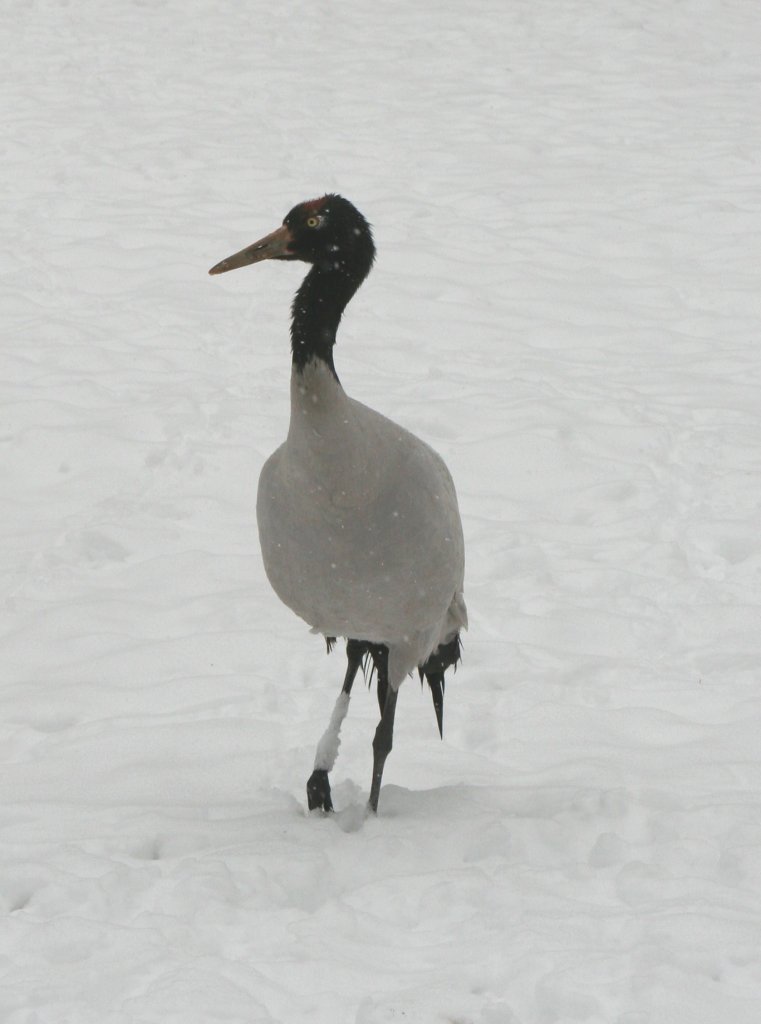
{"x": 318, "y": 785}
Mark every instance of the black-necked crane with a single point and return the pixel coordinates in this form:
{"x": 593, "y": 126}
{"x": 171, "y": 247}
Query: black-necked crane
{"x": 358, "y": 519}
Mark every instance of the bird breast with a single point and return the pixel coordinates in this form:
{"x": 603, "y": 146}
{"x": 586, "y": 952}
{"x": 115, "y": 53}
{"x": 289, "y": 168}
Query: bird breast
{"x": 358, "y": 519}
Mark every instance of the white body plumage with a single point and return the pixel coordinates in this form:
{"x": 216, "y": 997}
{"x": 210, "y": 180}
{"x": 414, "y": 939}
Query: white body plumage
{"x": 359, "y": 526}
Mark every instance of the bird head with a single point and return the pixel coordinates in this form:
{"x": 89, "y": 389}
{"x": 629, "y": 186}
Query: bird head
{"x": 329, "y": 233}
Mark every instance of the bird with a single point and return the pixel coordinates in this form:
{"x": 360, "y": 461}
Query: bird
{"x": 358, "y": 519}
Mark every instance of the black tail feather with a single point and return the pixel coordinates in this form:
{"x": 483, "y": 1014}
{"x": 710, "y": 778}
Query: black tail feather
{"x": 369, "y": 656}
{"x": 432, "y": 670}
{"x": 436, "y": 683}
{"x": 445, "y": 656}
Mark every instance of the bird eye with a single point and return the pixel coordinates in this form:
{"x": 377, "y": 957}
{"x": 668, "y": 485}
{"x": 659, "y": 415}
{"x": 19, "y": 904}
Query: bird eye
{"x": 314, "y": 222}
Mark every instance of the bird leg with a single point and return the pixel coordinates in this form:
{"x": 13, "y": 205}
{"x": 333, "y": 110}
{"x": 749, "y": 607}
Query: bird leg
{"x": 384, "y": 734}
{"x": 318, "y": 786}
{"x": 379, "y": 654}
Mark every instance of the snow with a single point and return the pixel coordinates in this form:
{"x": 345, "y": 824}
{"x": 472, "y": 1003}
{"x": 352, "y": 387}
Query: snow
{"x": 566, "y": 305}
{"x": 330, "y": 741}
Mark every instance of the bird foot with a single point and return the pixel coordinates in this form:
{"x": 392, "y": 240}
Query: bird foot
{"x": 318, "y": 791}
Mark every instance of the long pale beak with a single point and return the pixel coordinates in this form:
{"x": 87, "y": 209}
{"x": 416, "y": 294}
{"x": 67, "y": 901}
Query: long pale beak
{"x": 271, "y": 247}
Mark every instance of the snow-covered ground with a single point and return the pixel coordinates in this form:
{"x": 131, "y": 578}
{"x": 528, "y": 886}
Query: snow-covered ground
{"x": 566, "y": 305}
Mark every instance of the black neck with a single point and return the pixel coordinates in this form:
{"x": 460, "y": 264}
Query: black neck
{"x": 316, "y": 313}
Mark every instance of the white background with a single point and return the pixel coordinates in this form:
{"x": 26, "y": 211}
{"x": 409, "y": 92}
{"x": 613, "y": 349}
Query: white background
{"x": 566, "y": 305}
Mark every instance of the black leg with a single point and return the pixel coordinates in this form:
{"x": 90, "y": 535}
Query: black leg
{"x": 379, "y": 654}
{"x": 318, "y": 790}
{"x": 384, "y": 734}
{"x": 318, "y": 785}
{"x": 355, "y": 652}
